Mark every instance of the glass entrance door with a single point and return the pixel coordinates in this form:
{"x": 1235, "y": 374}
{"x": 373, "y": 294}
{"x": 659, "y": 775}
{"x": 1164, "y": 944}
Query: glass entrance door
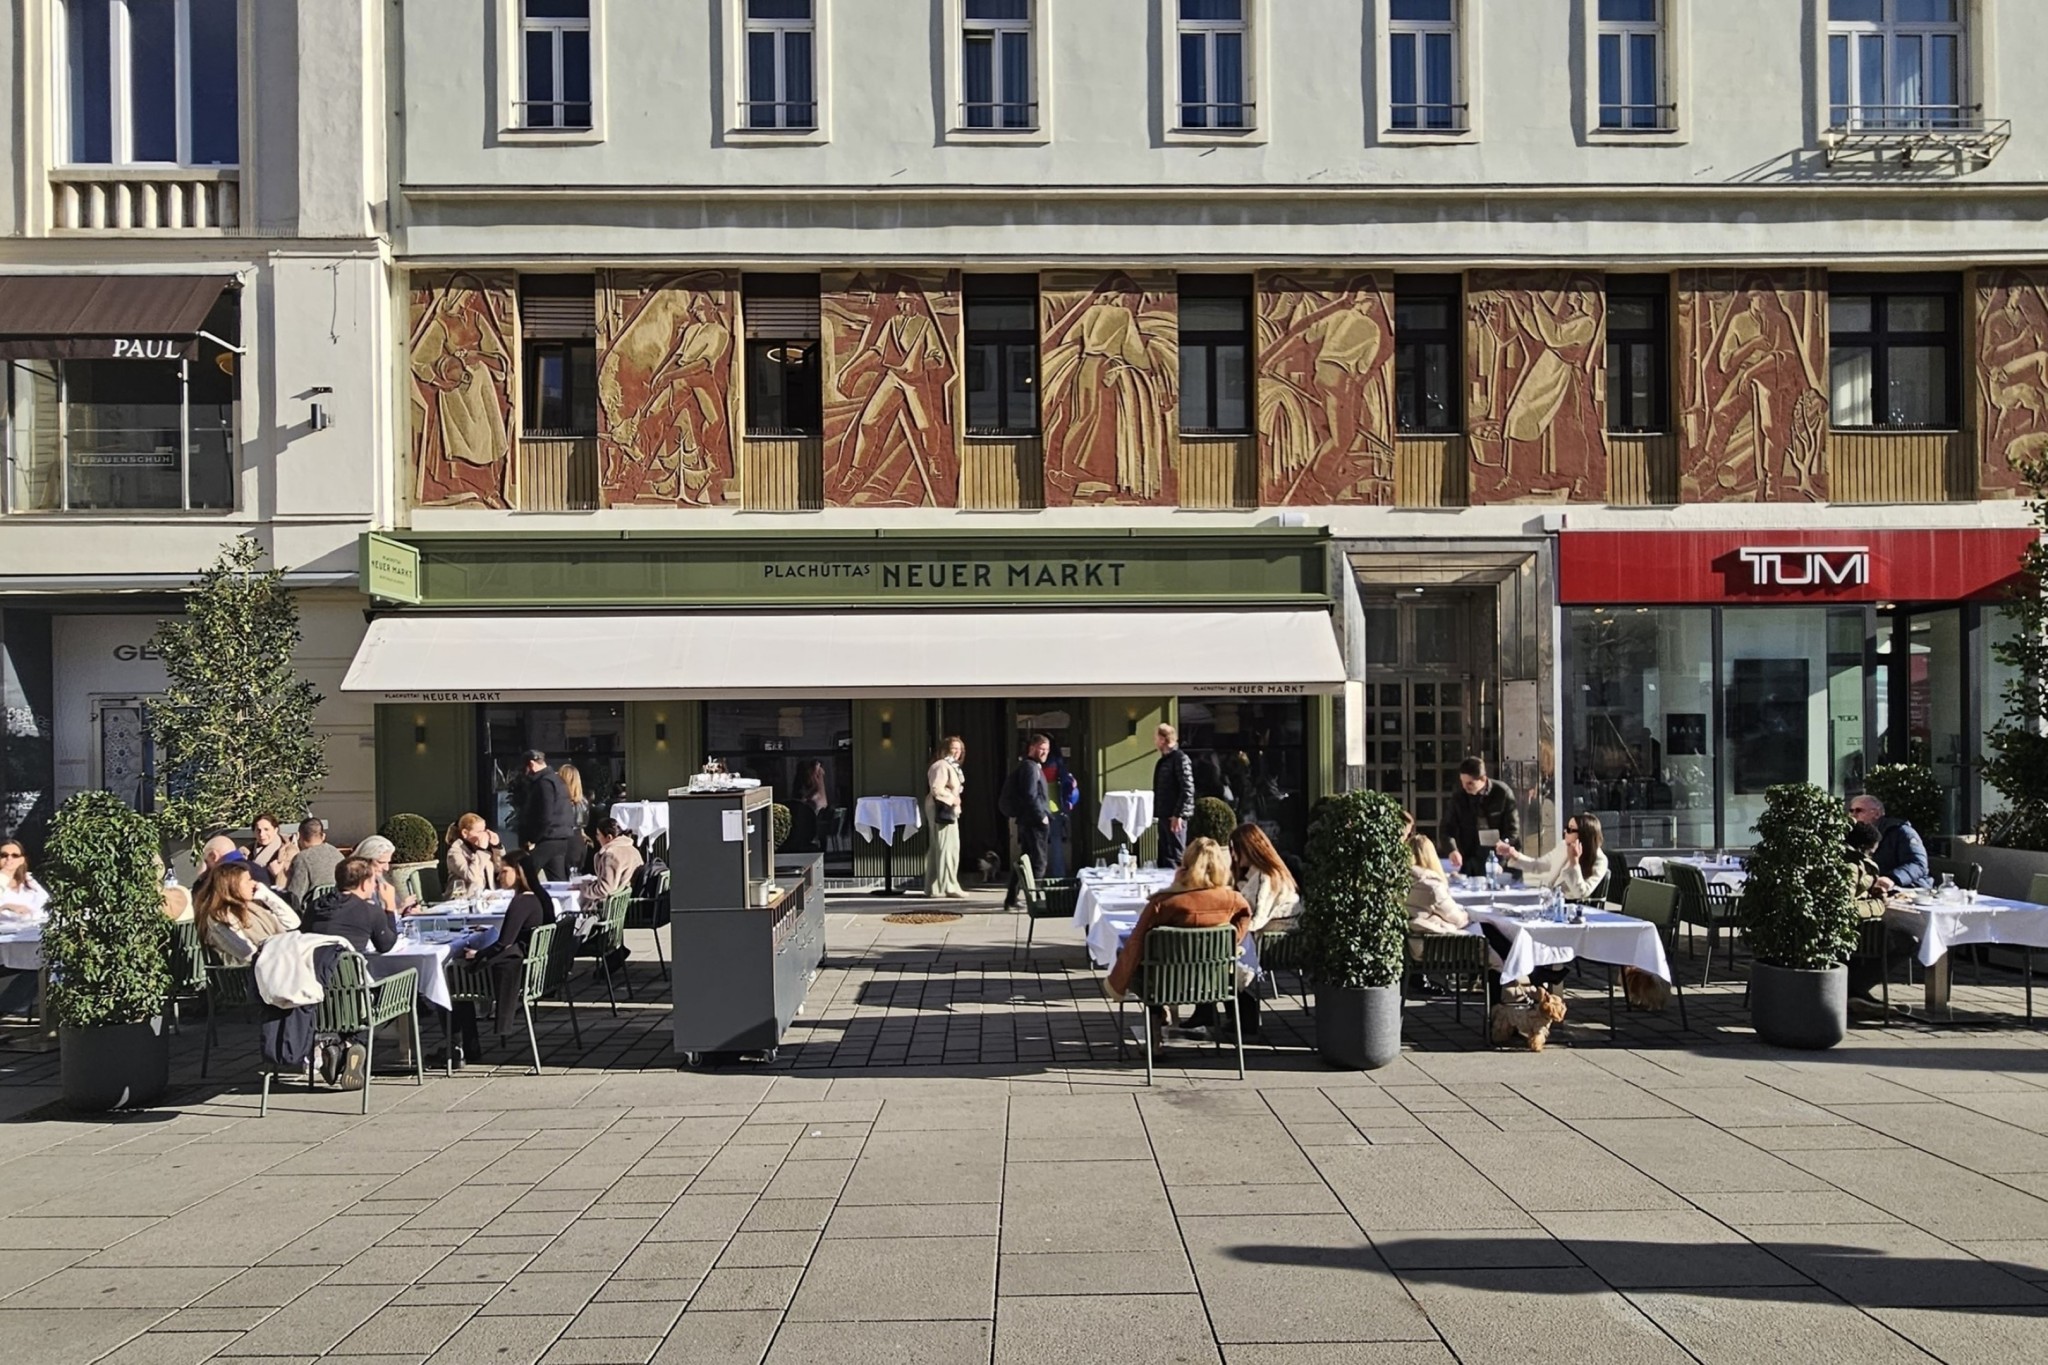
{"x": 1428, "y": 695}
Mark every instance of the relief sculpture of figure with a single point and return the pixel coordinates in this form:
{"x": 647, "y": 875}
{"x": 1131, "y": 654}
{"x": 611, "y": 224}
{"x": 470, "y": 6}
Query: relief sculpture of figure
{"x": 1757, "y": 406}
{"x": 662, "y": 386}
{"x": 894, "y": 388}
{"x": 1323, "y": 395}
{"x": 1540, "y": 373}
{"x": 1110, "y": 385}
{"x": 2012, "y": 363}
{"x": 461, "y": 369}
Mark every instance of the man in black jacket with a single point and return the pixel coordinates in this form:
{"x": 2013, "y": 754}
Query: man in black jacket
{"x": 353, "y": 911}
{"x": 1173, "y": 795}
{"x": 547, "y": 822}
{"x": 1479, "y": 804}
{"x": 1023, "y": 800}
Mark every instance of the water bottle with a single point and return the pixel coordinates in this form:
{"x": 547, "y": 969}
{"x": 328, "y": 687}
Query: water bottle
{"x": 1493, "y": 872}
{"x": 1557, "y": 910}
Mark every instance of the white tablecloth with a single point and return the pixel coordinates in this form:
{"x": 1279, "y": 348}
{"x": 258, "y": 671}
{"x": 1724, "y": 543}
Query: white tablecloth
{"x": 430, "y": 958}
{"x": 1479, "y": 898}
{"x": 642, "y": 819}
{"x": 21, "y": 947}
{"x": 888, "y": 819}
{"x": 1992, "y": 919}
{"x": 1108, "y": 933}
{"x": 1097, "y": 893}
{"x": 567, "y": 896}
{"x": 1724, "y": 872}
{"x": 1604, "y": 937}
{"x": 1132, "y": 810}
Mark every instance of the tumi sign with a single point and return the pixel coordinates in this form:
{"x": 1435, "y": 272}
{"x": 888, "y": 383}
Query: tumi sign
{"x": 1648, "y": 568}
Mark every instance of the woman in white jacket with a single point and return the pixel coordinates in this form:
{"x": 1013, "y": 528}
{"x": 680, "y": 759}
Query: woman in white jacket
{"x": 1576, "y": 867}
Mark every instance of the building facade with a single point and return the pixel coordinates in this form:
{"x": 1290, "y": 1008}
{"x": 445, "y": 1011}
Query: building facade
{"x": 1651, "y": 431}
{"x": 195, "y": 313}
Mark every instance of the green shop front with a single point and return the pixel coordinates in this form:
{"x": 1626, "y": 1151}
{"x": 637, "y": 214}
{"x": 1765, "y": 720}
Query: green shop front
{"x": 830, "y": 665}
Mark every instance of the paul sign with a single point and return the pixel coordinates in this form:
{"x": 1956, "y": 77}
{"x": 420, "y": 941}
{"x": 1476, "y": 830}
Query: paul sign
{"x": 1806, "y": 566}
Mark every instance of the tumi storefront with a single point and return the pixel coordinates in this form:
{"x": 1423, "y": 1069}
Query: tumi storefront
{"x": 830, "y": 665}
{"x": 1702, "y": 668}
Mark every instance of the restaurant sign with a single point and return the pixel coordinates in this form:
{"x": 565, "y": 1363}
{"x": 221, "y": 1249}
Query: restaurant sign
{"x": 391, "y": 569}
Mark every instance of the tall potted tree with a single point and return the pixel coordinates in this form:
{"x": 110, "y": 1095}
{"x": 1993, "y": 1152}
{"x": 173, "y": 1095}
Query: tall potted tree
{"x": 1355, "y": 922}
{"x": 104, "y": 947}
{"x": 1799, "y": 915}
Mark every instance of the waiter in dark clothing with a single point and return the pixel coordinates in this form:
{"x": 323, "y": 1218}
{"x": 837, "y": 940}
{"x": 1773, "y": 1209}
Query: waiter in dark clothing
{"x": 1479, "y": 804}
{"x": 1173, "y": 795}
{"x": 353, "y": 912}
{"x": 1024, "y": 801}
{"x": 547, "y": 821}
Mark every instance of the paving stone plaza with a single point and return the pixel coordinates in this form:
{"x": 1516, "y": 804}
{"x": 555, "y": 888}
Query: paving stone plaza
{"x": 948, "y": 1162}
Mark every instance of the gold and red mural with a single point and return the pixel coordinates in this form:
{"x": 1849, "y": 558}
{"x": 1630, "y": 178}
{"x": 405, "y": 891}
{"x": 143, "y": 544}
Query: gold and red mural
{"x": 464, "y": 344}
{"x": 1752, "y": 396}
{"x": 1325, "y": 385}
{"x": 1536, "y": 361}
{"x": 892, "y": 382}
{"x": 666, "y": 351}
{"x": 2012, "y": 376}
{"x": 1110, "y": 388}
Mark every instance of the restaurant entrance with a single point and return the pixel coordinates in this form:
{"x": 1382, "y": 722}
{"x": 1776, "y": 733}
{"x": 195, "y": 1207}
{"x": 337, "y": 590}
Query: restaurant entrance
{"x": 994, "y": 730}
{"x": 1428, "y": 692}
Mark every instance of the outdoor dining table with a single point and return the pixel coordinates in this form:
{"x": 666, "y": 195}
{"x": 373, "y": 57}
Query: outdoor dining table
{"x": 1717, "y": 871}
{"x": 1941, "y": 925}
{"x": 887, "y": 820}
{"x": 21, "y": 945}
{"x": 644, "y": 820}
{"x": 1131, "y": 809}
{"x": 1101, "y": 889}
{"x": 1106, "y": 936}
{"x": 1599, "y": 936}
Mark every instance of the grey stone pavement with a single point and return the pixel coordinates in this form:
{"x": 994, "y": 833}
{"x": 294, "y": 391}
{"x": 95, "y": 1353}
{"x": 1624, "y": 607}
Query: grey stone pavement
{"x": 948, "y": 1162}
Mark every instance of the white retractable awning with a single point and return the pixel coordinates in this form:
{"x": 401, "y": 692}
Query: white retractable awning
{"x": 559, "y": 656}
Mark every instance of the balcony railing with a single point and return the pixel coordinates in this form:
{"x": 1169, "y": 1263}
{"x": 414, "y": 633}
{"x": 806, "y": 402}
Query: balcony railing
{"x": 1429, "y": 470}
{"x": 146, "y": 199}
{"x": 1642, "y": 469}
{"x": 1915, "y": 134}
{"x": 782, "y": 473}
{"x": 555, "y": 472}
{"x": 1219, "y": 471}
{"x": 1901, "y": 466}
{"x": 1002, "y": 473}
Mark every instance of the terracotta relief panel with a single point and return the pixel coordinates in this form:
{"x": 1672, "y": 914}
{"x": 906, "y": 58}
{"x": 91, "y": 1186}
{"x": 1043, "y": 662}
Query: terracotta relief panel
{"x": 2012, "y": 376}
{"x": 665, "y": 358}
{"x": 1536, "y": 358}
{"x": 1325, "y": 388}
{"x": 1109, "y": 370}
{"x": 892, "y": 388}
{"x": 1752, "y": 391}
{"x": 464, "y": 349}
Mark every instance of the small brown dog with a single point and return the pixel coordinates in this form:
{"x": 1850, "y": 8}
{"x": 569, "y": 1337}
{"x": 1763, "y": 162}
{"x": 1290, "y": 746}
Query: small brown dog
{"x": 1644, "y": 991}
{"x": 1528, "y": 1011}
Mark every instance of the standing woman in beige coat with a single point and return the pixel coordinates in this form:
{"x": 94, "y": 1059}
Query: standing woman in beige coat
{"x": 944, "y": 781}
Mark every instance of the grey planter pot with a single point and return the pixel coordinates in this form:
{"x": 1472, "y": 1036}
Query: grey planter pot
{"x": 1802, "y": 1009}
{"x": 114, "y": 1066}
{"x": 1359, "y": 1030}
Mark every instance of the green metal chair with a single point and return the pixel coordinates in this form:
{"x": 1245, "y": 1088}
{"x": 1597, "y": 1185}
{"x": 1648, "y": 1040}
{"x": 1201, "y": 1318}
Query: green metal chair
{"x": 227, "y": 985}
{"x": 2037, "y": 889}
{"x": 475, "y": 983}
{"x": 428, "y": 884}
{"x": 315, "y": 894}
{"x": 1461, "y": 957}
{"x": 650, "y": 910}
{"x": 1657, "y": 902}
{"x": 356, "y": 1002}
{"x": 1597, "y": 894}
{"x": 1873, "y": 939}
{"x": 1045, "y": 898}
{"x": 608, "y": 937}
{"x": 1713, "y": 908}
{"x": 1285, "y": 949}
{"x": 187, "y": 966}
{"x": 1186, "y": 967}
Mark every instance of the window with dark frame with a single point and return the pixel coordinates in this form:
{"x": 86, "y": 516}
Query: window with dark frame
{"x": 1215, "y": 354}
{"x": 1428, "y": 321}
{"x": 1893, "y": 349}
{"x": 781, "y": 65}
{"x": 1638, "y": 353}
{"x": 995, "y": 65}
{"x": 554, "y": 59}
{"x": 785, "y": 390}
{"x": 558, "y": 348}
{"x": 1002, "y": 354}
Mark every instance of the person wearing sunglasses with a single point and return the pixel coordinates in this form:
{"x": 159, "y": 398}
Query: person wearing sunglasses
{"x": 1576, "y": 866}
{"x": 21, "y": 895}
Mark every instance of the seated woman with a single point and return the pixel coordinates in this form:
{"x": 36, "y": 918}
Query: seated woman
{"x": 1430, "y": 907}
{"x": 1268, "y": 887}
{"x": 21, "y": 895}
{"x": 270, "y": 853}
{"x": 470, "y": 866}
{"x": 235, "y": 915}
{"x": 617, "y": 863}
{"x": 1576, "y": 867}
{"x": 1199, "y": 897}
{"x": 506, "y": 955}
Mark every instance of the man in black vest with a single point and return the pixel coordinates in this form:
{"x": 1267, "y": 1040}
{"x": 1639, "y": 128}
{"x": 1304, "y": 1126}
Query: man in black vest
{"x": 1023, "y": 801}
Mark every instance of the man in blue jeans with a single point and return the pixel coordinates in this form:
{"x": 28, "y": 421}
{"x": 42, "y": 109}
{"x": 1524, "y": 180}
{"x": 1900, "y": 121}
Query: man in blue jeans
{"x": 1022, "y": 799}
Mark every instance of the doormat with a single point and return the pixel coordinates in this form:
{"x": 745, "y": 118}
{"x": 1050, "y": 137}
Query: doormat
{"x": 921, "y": 917}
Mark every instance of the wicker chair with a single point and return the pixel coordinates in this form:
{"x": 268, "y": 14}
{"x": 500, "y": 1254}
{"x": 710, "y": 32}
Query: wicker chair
{"x": 1186, "y": 967}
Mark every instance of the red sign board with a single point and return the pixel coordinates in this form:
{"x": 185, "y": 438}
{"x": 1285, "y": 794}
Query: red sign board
{"x": 1615, "y": 568}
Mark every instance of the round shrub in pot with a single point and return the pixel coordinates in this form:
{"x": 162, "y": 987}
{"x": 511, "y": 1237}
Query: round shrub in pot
{"x": 1799, "y": 916}
{"x": 1355, "y": 922}
{"x": 413, "y": 839}
{"x": 1214, "y": 819}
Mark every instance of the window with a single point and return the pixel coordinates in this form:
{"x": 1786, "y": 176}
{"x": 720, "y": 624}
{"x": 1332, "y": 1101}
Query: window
{"x": 126, "y": 435}
{"x": 781, "y": 64}
{"x": 1422, "y": 66}
{"x": 1892, "y": 349}
{"x": 554, "y": 55}
{"x": 1002, "y": 355}
{"x": 995, "y": 65}
{"x": 1638, "y": 353}
{"x": 1213, "y": 36}
{"x": 1896, "y": 64}
{"x": 1215, "y": 352}
{"x": 1427, "y": 319}
{"x": 1630, "y": 43}
{"x": 151, "y": 82}
{"x": 784, "y": 393}
{"x": 592, "y": 735}
{"x": 558, "y": 339}
{"x": 1253, "y": 755}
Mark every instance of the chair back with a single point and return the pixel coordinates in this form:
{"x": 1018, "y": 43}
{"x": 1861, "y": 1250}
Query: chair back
{"x": 647, "y": 909}
{"x": 429, "y": 884}
{"x": 1597, "y": 893}
{"x": 316, "y": 894}
{"x": 1618, "y": 875}
{"x": 187, "y": 963}
{"x": 543, "y": 971}
{"x": 1967, "y": 874}
{"x": 1190, "y": 966}
{"x": 1657, "y": 902}
{"x": 1691, "y": 886}
{"x": 2037, "y": 889}
{"x": 1028, "y": 879}
{"x": 345, "y": 1007}
{"x": 1056, "y": 899}
{"x": 1438, "y": 952}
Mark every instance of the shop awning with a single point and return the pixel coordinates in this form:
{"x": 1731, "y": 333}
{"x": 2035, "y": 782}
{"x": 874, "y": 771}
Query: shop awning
{"x": 567, "y": 656}
{"x": 116, "y": 317}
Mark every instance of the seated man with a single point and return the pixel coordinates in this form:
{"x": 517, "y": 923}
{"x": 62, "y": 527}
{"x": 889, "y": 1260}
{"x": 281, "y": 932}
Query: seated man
{"x": 352, "y": 912}
{"x": 1901, "y": 857}
{"x": 316, "y": 864}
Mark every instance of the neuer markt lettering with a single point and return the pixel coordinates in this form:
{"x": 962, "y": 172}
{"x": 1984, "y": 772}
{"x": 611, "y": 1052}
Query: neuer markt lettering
{"x": 965, "y": 575}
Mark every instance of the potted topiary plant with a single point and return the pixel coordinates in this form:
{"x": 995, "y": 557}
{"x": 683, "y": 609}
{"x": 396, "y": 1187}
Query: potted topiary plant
{"x": 1214, "y": 819}
{"x": 412, "y": 839}
{"x": 1799, "y": 915}
{"x": 781, "y": 821}
{"x": 1355, "y": 927}
{"x": 105, "y": 948}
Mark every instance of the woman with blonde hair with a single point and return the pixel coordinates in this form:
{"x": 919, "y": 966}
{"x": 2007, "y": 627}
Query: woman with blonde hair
{"x": 1430, "y": 907}
{"x": 944, "y": 784}
{"x": 1268, "y": 887}
{"x": 473, "y": 858}
{"x": 579, "y": 806}
{"x": 1199, "y": 897}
